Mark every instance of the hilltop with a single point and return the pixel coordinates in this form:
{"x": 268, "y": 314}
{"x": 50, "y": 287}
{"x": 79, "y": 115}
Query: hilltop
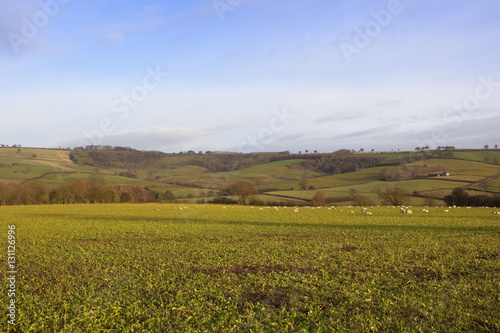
{"x": 281, "y": 178}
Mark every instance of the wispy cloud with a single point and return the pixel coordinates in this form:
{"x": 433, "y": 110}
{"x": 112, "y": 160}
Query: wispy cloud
{"x": 160, "y": 138}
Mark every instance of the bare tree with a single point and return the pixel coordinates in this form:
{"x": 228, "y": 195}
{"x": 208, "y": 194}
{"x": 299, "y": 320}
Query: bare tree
{"x": 394, "y": 196}
{"x": 319, "y": 199}
{"x": 243, "y": 189}
{"x": 304, "y": 184}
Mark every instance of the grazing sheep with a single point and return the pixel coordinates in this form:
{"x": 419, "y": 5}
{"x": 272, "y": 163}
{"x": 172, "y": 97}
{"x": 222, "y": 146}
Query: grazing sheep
{"x": 446, "y": 210}
{"x": 409, "y": 211}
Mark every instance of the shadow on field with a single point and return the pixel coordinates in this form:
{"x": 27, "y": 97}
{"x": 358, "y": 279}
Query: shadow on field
{"x": 253, "y": 269}
{"x": 305, "y": 225}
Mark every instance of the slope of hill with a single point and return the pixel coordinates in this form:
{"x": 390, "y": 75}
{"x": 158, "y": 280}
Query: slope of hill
{"x": 278, "y": 181}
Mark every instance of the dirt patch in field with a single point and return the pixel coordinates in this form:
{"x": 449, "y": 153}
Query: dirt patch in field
{"x": 412, "y": 314}
{"x": 349, "y": 248}
{"x": 275, "y": 297}
{"x": 253, "y": 269}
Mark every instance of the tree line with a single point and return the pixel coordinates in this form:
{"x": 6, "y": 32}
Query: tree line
{"x": 94, "y": 190}
{"x": 333, "y": 164}
{"x": 116, "y": 157}
{"x": 460, "y": 197}
{"x": 408, "y": 173}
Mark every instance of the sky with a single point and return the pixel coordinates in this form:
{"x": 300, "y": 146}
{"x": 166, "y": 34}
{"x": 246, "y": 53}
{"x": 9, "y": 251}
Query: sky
{"x": 250, "y": 75}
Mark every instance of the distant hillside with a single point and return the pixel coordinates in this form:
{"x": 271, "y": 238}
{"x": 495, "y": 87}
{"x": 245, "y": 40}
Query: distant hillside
{"x": 117, "y": 157}
{"x": 281, "y": 177}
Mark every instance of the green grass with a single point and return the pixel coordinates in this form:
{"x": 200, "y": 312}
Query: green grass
{"x": 132, "y": 268}
{"x": 464, "y": 168}
{"x": 478, "y": 155}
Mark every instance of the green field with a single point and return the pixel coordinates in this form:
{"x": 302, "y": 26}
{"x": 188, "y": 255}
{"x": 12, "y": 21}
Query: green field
{"x": 154, "y": 268}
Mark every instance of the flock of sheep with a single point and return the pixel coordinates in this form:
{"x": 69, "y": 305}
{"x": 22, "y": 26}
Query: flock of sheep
{"x": 403, "y": 210}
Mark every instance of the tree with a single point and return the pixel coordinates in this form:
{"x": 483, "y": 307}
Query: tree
{"x": 319, "y": 199}
{"x": 76, "y": 192}
{"x": 97, "y": 188}
{"x": 304, "y": 184}
{"x": 361, "y": 200}
{"x": 394, "y": 196}
{"x": 496, "y": 146}
{"x": 243, "y": 189}
{"x": 458, "y": 197}
{"x": 486, "y": 146}
{"x": 168, "y": 196}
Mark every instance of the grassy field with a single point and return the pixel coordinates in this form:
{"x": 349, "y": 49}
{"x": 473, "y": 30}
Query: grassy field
{"x": 155, "y": 268}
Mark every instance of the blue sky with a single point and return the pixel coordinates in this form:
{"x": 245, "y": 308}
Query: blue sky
{"x": 250, "y": 75}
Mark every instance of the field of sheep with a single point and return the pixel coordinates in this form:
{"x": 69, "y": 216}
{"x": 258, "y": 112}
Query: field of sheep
{"x": 211, "y": 268}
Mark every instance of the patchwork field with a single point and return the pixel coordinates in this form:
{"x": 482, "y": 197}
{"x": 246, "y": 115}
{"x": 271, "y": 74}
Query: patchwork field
{"x": 278, "y": 181}
{"x": 159, "y": 268}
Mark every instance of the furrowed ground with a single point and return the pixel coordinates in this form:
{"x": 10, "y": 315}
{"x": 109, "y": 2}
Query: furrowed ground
{"x": 140, "y": 268}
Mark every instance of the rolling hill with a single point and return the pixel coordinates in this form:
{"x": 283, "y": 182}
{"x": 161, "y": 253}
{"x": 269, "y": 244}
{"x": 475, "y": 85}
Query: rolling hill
{"x": 191, "y": 177}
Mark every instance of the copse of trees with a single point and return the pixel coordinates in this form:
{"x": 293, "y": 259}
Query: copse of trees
{"x": 115, "y": 157}
{"x": 407, "y": 173}
{"x": 221, "y": 162}
{"x": 460, "y": 197}
{"x": 335, "y": 164}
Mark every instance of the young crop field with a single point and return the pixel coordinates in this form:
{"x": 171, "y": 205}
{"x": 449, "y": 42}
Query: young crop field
{"x": 211, "y": 268}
